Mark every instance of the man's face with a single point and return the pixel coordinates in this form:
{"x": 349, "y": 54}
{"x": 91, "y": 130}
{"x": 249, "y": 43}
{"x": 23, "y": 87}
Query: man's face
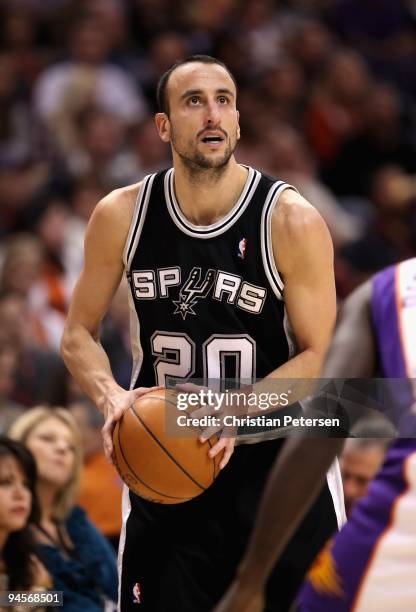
{"x": 358, "y": 467}
{"x": 202, "y": 126}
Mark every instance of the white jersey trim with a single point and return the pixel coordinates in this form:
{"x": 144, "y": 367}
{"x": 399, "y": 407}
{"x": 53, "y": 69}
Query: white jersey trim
{"x": 136, "y": 347}
{"x": 388, "y": 582}
{"x": 125, "y": 513}
{"x": 405, "y": 282}
{"x": 137, "y": 222}
{"x": 221, "y": 226}
{"x": 269, "y": 263}
{"x": 334, "y": 480}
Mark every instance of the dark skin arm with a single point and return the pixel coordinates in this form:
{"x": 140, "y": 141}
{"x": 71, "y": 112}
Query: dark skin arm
{"x": 351, "y": 355}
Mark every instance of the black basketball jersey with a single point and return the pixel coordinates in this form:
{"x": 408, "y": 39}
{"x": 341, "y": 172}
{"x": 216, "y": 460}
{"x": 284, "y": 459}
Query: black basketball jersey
{"x": 206, "y": 301}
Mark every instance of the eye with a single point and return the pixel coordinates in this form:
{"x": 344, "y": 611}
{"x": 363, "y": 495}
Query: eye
{"x": 46, "y": 438}
{"x": 194, "y": 100}
{"x": 223, "y": 100}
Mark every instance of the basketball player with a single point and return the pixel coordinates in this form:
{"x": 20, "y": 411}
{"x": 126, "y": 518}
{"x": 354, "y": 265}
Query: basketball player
{"x": 370, "y": 566}
{"x": 231, "y": 275}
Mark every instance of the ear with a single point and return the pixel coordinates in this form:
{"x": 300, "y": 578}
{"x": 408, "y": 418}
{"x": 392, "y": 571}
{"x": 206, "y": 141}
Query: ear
{"x": 238, "y": 125}
{"x": 163, "y": 126}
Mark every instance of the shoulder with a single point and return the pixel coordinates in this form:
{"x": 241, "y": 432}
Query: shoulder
{"x": 298, "y": 229}
{"x": 295, "y": 215}
{"x": 118, "y": 204}
{"x": 111, "y": 218}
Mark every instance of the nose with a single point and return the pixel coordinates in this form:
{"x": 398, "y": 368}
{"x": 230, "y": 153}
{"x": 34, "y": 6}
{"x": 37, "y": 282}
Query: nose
{"x": 61, "y": 447}
{"x": 351, "y": 490}
{"x": 213, "y": 117}
{"x": 19, "y": 491}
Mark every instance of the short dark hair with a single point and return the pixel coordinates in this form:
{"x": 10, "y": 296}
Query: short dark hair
{"x": 162, "y": 100}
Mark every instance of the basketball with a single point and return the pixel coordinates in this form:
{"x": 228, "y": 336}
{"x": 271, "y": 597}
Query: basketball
{"x": 161, "y": 468}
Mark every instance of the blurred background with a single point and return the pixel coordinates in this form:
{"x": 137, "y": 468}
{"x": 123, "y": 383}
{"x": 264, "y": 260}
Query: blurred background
{"x": 327, "y": 96}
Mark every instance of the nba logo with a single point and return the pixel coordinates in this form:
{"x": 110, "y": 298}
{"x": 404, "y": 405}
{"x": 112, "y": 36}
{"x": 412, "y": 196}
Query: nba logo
{"x": 242, "y": 248}
{"x": 136, "y": 593}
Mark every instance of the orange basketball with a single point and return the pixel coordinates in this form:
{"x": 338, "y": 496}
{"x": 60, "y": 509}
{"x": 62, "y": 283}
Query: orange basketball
{"x": 161, "y": 468}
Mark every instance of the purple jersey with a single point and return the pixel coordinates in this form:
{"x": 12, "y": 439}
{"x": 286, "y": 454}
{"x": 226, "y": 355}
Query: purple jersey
{"x": 393, "y": 309}
{"x": 370, "y": 566}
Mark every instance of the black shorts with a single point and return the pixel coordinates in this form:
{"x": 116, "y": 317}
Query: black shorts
{"x": 182, "y": 557}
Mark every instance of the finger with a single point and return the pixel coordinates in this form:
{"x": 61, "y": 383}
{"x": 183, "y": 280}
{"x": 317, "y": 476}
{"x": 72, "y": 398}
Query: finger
{"x": 202, "y": 412}
{"x": 208, "y": 432}
{"x": 140, "y": 391}
{"x": 229, "y": 449}
{"x": 217, "y": 448}
{"x": 229, "y": 432}
{"x": 188, "y": 388}
{"x": 107, "y": 433}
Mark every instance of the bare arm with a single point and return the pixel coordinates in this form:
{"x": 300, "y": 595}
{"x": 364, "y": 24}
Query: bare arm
{"x": 352, "y": 351}
{"x": 303, "y": 254}
{"x": 103, "y": 267}
{"x": 306, "y": 461}
{"x": 99, "y": 280}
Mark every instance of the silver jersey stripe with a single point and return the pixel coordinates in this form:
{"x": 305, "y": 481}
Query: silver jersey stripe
{"x": 139, "y": 215}
{"x": 125, "y": 513}
{"x": 136, "y": 346}
{"x": 270, "y": 269}
{"x": 209, "y": 231}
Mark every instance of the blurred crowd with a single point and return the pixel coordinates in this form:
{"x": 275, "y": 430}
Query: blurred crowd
{"x": 327, "y": 98}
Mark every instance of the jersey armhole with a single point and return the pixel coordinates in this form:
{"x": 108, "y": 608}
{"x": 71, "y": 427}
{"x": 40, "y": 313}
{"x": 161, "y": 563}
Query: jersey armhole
{"x": 269, "y": 263}
{"x": 139, "y": 214}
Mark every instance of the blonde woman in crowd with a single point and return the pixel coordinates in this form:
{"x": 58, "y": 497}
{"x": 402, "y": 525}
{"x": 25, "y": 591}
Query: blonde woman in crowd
{"x": 77, "y": 556}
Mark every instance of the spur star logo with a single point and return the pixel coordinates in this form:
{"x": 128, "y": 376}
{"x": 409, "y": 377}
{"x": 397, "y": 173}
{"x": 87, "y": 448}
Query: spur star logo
{"x": 193, "y": 290}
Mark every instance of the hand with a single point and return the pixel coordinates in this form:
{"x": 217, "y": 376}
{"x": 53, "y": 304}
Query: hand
{"x": 239, "y": 598}
{"x": 227, "y": 438}
{"x": 224, "y": 444}
{"x": 115, "y": 405}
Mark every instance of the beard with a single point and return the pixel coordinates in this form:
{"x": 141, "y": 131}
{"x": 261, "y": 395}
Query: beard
{"x": 197, "y": 164}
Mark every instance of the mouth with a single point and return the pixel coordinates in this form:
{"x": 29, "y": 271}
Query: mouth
{"x": 19, "y": 510}
{"x": 212, "y": 139}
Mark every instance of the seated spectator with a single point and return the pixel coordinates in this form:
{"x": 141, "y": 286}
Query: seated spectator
{"x": 27, "y": 271}
{"x": 101, "y": 486}
{"x": 33, "y": 374}
{"x": 9, "y": 410}
{"x": 386, "y": 137}
{"x": 391, "y": 236}
{"x": 360, "y": 461}
{"x": 335, "y": 110}
{"x": 109, "y": 87}
{"x": 79, "y": 559}
{"x": 20, "y": 569}
{"x": 291, "y": 160}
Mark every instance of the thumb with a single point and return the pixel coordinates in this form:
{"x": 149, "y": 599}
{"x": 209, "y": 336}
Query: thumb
{"x": 140, "y": 391}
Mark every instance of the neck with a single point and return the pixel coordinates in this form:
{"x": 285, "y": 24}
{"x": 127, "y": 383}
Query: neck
{"x": 208, "y": 194}
{"x": 47, "y": 497}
